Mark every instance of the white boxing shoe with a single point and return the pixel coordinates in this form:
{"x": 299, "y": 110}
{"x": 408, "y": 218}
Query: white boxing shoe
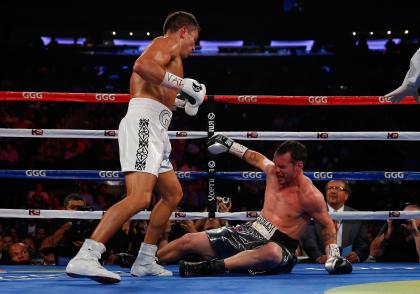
{"x": 85, "y": 264}
{"x": 150, "y": 269}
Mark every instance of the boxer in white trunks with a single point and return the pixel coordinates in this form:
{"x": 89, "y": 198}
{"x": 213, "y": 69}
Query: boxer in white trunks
{"x": 156, "y": 84}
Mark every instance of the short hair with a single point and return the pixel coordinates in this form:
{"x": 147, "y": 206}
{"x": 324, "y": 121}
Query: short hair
{"x": 346, "y": 186}
{"x": 179, "y": 19}
{"x": 72, "y": 196}
{"x": 297, "y": 150}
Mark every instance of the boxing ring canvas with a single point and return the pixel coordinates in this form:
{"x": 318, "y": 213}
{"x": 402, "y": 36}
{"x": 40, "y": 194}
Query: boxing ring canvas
{"x": 305, "y": 278}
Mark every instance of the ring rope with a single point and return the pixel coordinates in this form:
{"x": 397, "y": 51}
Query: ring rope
{"x": 250, "y": 135}
{"x": 240, "y": 216}
{"x": 233, "y": 99}
{"x": 193, "y": 175}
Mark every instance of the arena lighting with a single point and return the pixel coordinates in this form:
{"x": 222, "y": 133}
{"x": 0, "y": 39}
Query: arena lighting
{"x": 388, "y": 32}
{"x": 114, "y": 33}
{"x": 124, "y": 42}
{"x": 379, "y": 44}
{"x": 130, "y": 33}
{"x": 213, "y": 46}
{"x": 63, "y": 41}
{"x": 354, "y": 33}
{"x": 308, "y": 44}
{"x": 406, "y": 32}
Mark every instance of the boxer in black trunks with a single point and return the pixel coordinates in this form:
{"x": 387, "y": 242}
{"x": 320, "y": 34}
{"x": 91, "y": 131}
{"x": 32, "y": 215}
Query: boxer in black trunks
{"x": 268, "y": 244}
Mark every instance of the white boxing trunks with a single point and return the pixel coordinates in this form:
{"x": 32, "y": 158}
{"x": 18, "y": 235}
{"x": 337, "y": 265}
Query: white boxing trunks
{"x": 143, "y": 137}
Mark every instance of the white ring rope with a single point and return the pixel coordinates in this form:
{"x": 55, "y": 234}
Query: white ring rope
{"x": 244, "y": 135}
{"x": 240, "y": 216}
{"x": 87, "y": 134}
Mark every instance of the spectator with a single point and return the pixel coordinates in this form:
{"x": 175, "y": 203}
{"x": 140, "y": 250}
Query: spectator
{"x": 19, "y": 254}
{"x": 398, "y": 240}
{"x": 352, "y": 236}
{"x": 9, "y": 154}
{"x": 68, "y": 238}
{"x": 5, "y": 243}
{"x": 38, "y": 198}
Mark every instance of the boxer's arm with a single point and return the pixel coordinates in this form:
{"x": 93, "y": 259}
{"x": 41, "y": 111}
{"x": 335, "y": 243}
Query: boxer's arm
{"x": 320, "y": 214}
{"x": 220, "y": 144}
{"x": 335, "y": 264}
{"x": 151, "y": 64}
{"x": 258, "y": 160}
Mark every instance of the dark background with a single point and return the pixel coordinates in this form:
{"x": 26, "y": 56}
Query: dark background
{"x": 219, "y": 19}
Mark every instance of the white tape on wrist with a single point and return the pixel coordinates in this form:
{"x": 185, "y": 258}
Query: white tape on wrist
{"x": 172, "y": 81}
{"x": 238, "y": 149}
{"x": 332, "y": 250}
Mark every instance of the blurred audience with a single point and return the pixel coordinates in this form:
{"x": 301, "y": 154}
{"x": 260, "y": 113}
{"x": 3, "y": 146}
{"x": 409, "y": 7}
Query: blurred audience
{"x": 398, "y": 240}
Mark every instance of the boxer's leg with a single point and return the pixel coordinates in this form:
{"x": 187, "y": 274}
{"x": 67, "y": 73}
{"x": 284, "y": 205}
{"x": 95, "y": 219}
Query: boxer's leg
{"x": 170, "y": 191}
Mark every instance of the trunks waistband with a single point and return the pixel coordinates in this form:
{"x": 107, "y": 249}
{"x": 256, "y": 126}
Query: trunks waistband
{"x": 155, "y": 110}
{"x": 272, "y": 233}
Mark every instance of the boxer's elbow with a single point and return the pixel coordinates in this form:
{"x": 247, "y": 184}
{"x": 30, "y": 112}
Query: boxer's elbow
{"x": 140, "y": 67}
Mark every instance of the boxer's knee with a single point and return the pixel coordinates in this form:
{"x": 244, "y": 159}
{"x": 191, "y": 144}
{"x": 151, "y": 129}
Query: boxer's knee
{"x": 187, "y": 242}
{"x": 173, "y": 198}
{"x": 271, "y": 253}
{"x": 134, "y": 205}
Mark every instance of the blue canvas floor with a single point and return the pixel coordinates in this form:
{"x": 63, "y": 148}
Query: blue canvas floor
{"x": 305, "y": 278}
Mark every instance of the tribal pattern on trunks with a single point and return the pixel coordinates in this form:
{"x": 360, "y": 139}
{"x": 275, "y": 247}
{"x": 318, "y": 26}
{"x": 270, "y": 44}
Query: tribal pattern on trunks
{"x": 143, "y": 144}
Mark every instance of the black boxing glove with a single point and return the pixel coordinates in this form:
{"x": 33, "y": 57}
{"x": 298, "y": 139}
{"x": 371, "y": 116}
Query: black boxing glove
{"x": 338, "y": 266}
{"x": 220, "y": 144}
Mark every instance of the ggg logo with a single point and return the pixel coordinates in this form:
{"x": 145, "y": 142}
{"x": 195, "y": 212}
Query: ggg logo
{"x": 252, "y": 175}
{"x": 323, "y": 175}
{"x": 383, "y": 99}
{"x": 247, "y": 99}
{"x": 109, "y": 174}
{"x": 318, "y": 99}
{"x": 105, "y": 97}
{"x": 394, "y": 175}
{"x": 36, "y": 173}
{"x": 32, "y": 95}
{"x": 183, "y": 175}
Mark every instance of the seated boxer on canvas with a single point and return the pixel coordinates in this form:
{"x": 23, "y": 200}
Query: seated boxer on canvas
{"x": 266, "y": 245}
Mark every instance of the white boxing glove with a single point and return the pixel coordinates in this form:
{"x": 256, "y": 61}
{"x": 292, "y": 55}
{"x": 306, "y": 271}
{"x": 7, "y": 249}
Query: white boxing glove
{"x": 195, "y": 92}
{"x": 191, "y": 109}
{"x": 191, "y": 94}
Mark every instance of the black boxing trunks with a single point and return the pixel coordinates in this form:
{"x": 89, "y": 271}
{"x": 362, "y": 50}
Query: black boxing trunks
{"x": 228, "y": 241}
